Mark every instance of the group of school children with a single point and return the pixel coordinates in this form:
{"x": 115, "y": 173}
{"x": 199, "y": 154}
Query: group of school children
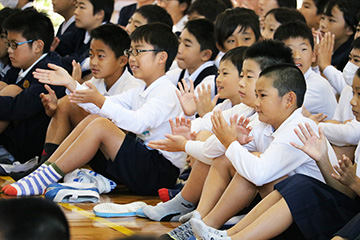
{"x": 262, "y": 103}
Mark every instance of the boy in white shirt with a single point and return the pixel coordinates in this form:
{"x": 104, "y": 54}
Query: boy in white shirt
{"x": 143, "y": 111}
{"x": 319, "y": 96}
{"x": 110, "y": 77}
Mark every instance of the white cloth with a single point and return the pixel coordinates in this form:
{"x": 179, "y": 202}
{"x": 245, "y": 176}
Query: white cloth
{"x": 342, "y": 134}
{"x": 123, "y": 84}
{"x": 335, "y": 78}
{"x": 319, "y": 96}
{"x": 279, "y": 158}
{"x": 218, "y": 59}
{"x": 357, "y": 155}
{"x": 179, "y": 26}
{"x": 343, "y": 110}
{"x": 146, "y": 112}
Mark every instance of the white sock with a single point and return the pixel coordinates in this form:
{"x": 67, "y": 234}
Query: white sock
{"x": 202, "y": 231}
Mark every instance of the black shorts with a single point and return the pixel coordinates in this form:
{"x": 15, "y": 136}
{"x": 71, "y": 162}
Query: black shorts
{"x": 141, "y": 170}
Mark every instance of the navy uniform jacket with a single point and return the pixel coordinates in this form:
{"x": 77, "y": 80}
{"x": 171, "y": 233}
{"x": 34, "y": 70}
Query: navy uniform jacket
{"x": 69, "y": 40}
{"x": 24, "y": 137}
{"x": 341, "y": 56}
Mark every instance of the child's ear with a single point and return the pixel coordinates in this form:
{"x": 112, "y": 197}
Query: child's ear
{"x": 123, "y": 60}
{"x": 348, "y": 30}
{"x": 290, "y": 99}
{"x": 39, "y": 46}
{"x": 100, "y": 15}
{"x": 183, "y": 6}
{"x": 220, "y": 48}
{"x": 313, "y": 56}
{"x": 163, "y": 56}
{"x": 206, "y": 55}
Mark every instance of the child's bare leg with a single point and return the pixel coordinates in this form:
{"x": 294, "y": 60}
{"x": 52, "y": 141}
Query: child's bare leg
{"x": 99, "y": 133}
{"x": 219, "y": 176}
{"x": 72, "y": 137}
{"x": 238, "y": 194}
{"x": 67, "y": 116}
{"x": 268, "y": 188}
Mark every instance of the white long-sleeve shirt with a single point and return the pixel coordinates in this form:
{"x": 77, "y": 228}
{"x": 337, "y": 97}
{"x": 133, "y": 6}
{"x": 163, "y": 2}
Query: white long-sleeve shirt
{"x": 335, "y": 78}
{"x": 342, "y": 134}
{"x": 146, "y": 111}
{"x": 343, "y": 110}
{"x": 279, "y": 158}
{"x": 319, "y": 96}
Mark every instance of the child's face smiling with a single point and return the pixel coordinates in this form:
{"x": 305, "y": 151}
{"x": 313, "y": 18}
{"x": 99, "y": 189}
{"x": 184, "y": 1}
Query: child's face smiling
{"x": 302, "y": 52}
{"x": 268, "y": 104}
{"x": 335, "y": 24}
{"x": 355, "y": 101}
{"x": 227, "y": 81}
{"x": 270, "y": 26}
{"x": 189, "y": 55}
{"x": 103, "y": 62}
{"x": 309, "y": 10}
{"x": 134, "y": 22}
{"x": 240, "y": 38}
{"x": 249, "y": 76}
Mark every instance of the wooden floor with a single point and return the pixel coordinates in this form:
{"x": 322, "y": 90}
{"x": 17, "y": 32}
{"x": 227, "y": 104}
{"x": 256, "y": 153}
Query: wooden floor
{"x": 85, "y": 225}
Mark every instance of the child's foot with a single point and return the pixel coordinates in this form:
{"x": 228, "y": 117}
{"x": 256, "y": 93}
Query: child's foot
{"x": 35, "y": 184}
{"x": 202, "y": 231}
{"x": 169, "y": 211}
{"x": 166, "y": 194}
{"x": 182, "y": 232}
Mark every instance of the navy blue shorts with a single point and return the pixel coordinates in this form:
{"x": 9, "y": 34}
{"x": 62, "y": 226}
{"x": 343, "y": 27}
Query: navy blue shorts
{"x": 141, "y": 170}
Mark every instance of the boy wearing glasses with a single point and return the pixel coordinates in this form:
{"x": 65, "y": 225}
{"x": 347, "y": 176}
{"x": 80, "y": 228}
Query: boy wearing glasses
{"x": 23, "y": 121}
{"x": 143, "y": 111}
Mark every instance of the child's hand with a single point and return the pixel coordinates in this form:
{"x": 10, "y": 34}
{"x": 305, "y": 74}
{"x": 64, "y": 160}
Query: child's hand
{"x": 346, "y": 173}
{"x": 76, "y": 72}
{"x": 313, "y": 146}
{"x": 204, "y": 104}
{"x": 172, "y": 143}
{"x": 50, "y": 101}
{"x": 182, "y": 127}
{"x": 325, "y": 50}
{"x": 225, "y": 133}
{"x": 187, "y": 98}
{"x": 90, "y": 95}
{"x": 242, "y": 129}
{"x": 58, "y": 77}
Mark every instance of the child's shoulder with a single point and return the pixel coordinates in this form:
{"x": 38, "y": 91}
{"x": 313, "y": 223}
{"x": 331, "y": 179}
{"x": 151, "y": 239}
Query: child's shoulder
{"x": 51, "y": 57}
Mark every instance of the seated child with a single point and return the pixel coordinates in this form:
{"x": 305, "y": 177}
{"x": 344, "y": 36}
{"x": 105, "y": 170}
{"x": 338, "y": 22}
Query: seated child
{"x": 68, "y": 35}
{"x": 178, "y": 12}
{"x": 208, "y": 9}
{"x": 195, "y": 56}
{"x": 257, "y": 57}
{"x": 141, "y": 111}
{"x": 319, "y": 96}
{"x": 23, "y": 120}
{"x": 148, "y": 14}
{"x": 339, "y": 18}
{"x": 89, "y": 14}
{"x": 276, "y": 17}
{"x": 127, "y": 11}
{"x": 301, "y": 199}
{"x": 110, "y": 77}
{"x": 312, "y": 11}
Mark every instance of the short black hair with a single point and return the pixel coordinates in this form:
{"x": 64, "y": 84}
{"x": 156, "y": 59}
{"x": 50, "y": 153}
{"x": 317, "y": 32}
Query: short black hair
{"x": 33, "y": 25}
{"x": 203, "y": 31}
{"x": 32, "y": 218}
{"x": 106, "y": 5}
{"x": 5, "y": 13}
{"x": 287, "y": 78}
{"x": 283, "y": 15}
{"x": 236, "y": 56}
{"x": 349, "y": 8}
{"x": 357, "y": 73}
{"x": 287, "y": 3}
{"x": 207, "y": 8}
{"x": 226, "y": 23}
{"x": 269, "y": 52}
{"x": 113, "y": 36}
{"x": 188, "y": 2}
{"x": 356, "y": 44}
{"x": 320, "y": 5}
{"x": 154, "y": 13}
{"x": 294, "y": 30}
{"x": 160, "y": 36}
